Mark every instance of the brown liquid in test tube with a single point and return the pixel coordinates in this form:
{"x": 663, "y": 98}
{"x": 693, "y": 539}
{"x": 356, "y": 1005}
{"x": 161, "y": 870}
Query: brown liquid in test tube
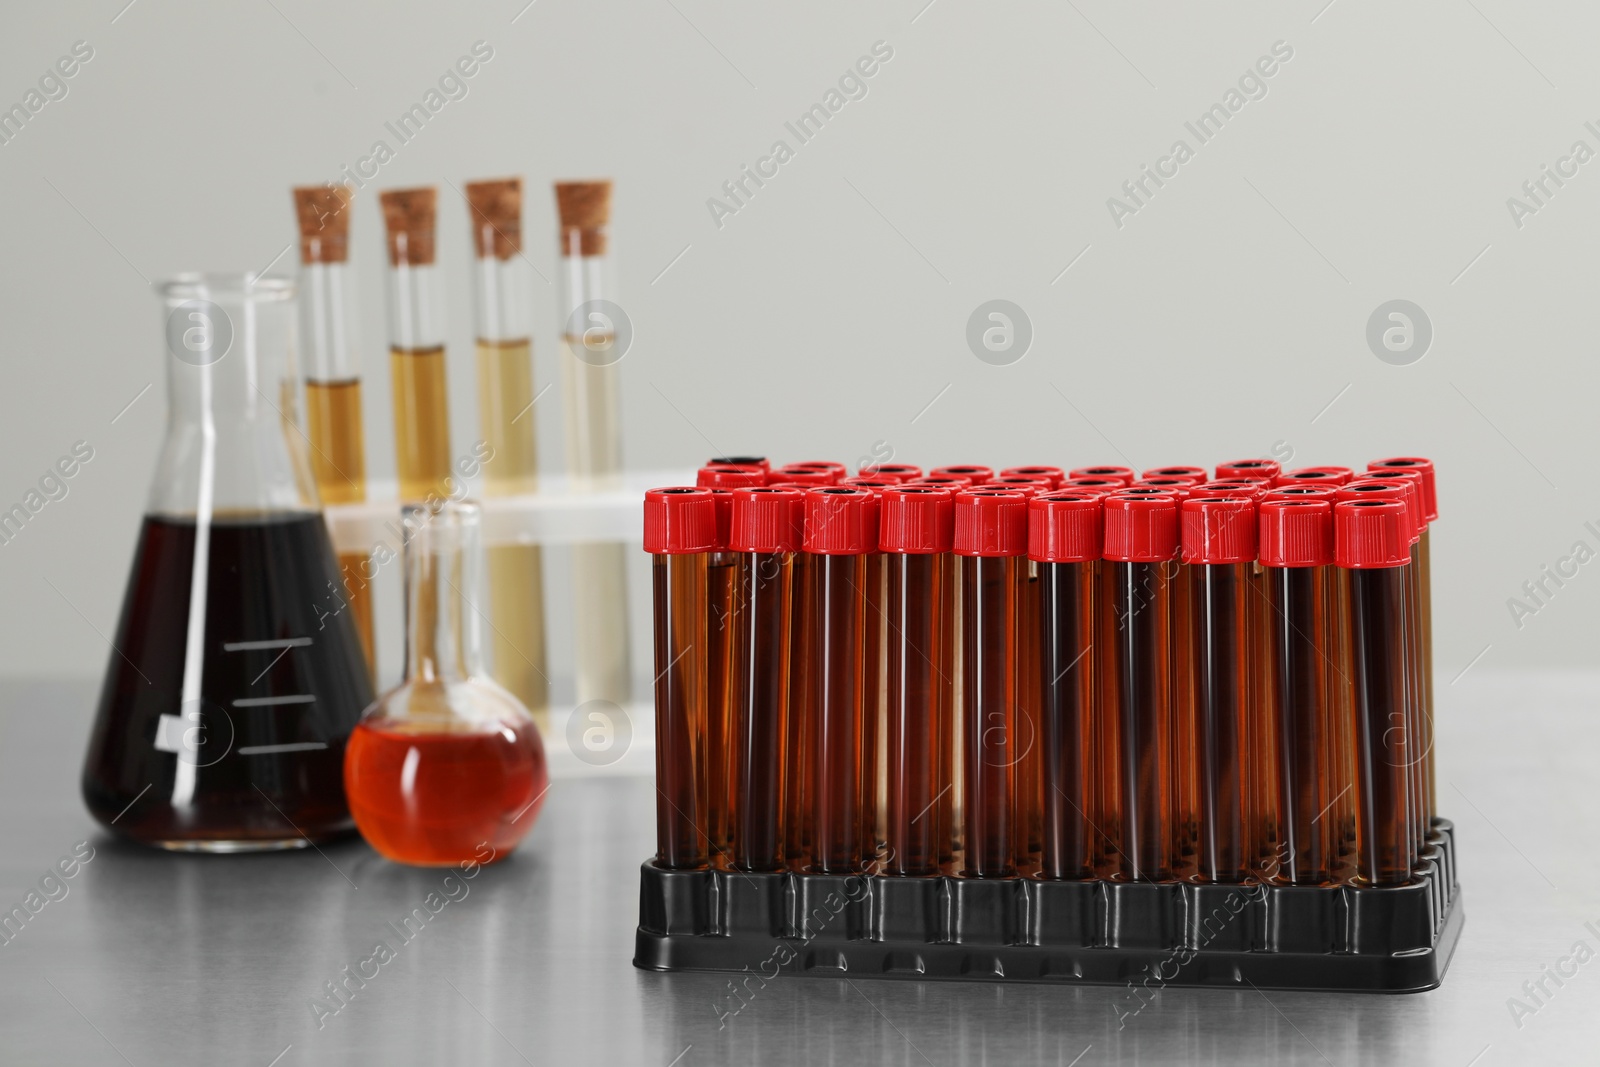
{"x": 1316, "y": 790}
{"x": 1219, "y": 547}
{"x": 1141, "y": 541}
{"x": 1064, "y": 540}
{"x": 680, "y": 533}
{"x": 991, "y": 540}
{"x": 916, "y": 531}
{"x": 1372, "y": 543}
{"x": 765, "y": 534}
{"x": 841, "y": 529}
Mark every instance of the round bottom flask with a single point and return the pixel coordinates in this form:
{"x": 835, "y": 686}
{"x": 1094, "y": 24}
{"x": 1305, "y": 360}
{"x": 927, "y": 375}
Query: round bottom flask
{"x": 448, "y": 767}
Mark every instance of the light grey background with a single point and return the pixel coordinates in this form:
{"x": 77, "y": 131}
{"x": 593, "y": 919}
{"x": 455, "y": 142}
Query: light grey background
{"x": 1220, "y": 321}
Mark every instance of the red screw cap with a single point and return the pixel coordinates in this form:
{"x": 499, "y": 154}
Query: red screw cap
{"x": 972, "y": 472}
{"x": 1180, "y": 486}
{"x": 991, "y": 522}
{"x": 766, "y": 520}
{"x": 1219, "y": 529}
{"x": 943, "y": 481}
{"x": 1371, "y": 533}
{"x": 1250, "y": 468}
{"x": 1324, "y": 475}
{"x": 1409, "y": 495}
{"x": 916, "y": 520}
{"x": 1300, "y": 491}
{"x": 1246, "y": 487}
{"x": 836, "y": 471}
{"x": 875, "y": 483}
{"x": 728, "y": 476}
{"x": 1099, "y": 485}
{"x": 900, "y": 472}
{"x": 1192, "y": 475}
{"x": 1408, "y": 476}
{"x": 1054, "y": 475}
{"x": 739, "y": 461}
{"x": 1296, "y": 532}
{"x": 723, "y": 498}
{"x": 1065, "y": 526}
{"x": 1424, "y": 467}
{"x": 680, "y": 521}
{"x": 841, "y": 520}
{"x": 808, "y": 476}
{"x": 1141, "y": 528}
{"x": 1031, "y": 486}
{"x": 1105, "y": 470}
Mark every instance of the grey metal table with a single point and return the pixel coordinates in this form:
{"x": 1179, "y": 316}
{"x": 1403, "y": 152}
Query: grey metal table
{"x": 152, "y": 958}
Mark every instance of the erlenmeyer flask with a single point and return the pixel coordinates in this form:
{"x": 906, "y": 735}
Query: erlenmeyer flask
{"x": 447, "y": 767}
{"x": 236, "y": 674}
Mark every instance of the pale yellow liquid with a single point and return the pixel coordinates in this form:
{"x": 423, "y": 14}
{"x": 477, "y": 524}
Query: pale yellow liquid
{"x": 339, "y": 465}
{"x": 421, "y": 422}
{"x": 599, "y": 571}
{"x": 516, "y": 572}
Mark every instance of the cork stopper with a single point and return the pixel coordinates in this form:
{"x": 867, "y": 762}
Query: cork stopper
{"x": 321, "y": 211}
{"x": 585, "y": 210}
{"x": 408, "y": 216}
{"x": 496, "y": 217}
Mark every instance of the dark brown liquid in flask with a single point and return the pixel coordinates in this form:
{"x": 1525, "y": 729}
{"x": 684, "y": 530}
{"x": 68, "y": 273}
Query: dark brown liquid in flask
{"x": 257, "y": 761}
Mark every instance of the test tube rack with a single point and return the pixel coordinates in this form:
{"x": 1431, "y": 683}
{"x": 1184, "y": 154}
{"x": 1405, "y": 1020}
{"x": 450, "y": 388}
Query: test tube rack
{"x": 1396, "y": 939}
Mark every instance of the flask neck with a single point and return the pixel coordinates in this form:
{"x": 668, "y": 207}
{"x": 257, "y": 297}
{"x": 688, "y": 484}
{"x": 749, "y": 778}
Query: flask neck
{"x": 443, "y": 566}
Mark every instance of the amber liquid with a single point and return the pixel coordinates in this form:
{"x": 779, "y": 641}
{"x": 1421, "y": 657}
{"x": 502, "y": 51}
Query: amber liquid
{"x": 1028, "y": 784}
{"x": 1430, "y": 794}
{"x": 722, "y": 571}
{"x": 988, "y": 714}
{"x": 1313, "y": 798}
{"x": 516, "y": 572}
{"x": 761, "y": 630}
{"x": 836, "y": 724}
{"x": 797, "y": 821}
{"x": 679, "y": 590}
{"x": 421, "y": 421}
{"x": 1378, "y": 617}
{"x": 1066, "y": 673}
{"x": 1138, "y": 697}
{"x": 920, "y": 687}
{"x": 1223, "y": 667}
{"x": 260, "y": 759}
{"x": 339, "y": 465}
{"x": 433, "y": 798}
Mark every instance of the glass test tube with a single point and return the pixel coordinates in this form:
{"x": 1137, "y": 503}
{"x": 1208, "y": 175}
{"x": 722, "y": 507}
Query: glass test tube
{"x": 1064, "y": 540}
{"x": 764, "y": 536}
{"x": 333, "y": 377}
{"x": 680, "y": 532}
{"x": 1315, "y": 786}
{"x": 722, "y": 576}
{"x": 991, "y": 542}
{"x": 1218, "y": 550}
{"x": 1141, "y": 543}
{"x": 1372, "y": 543}
{"x": 1266, "y": 469}
{"x": 503, "y": 315}
{"x": 1027, "y": 785}
{"x": 416, "y": 345}
{"x": 841, "y": 529}
{"x": 590, "y": 351}
{"x": 916, "y": 528}
{"x": 1424, "y": 565}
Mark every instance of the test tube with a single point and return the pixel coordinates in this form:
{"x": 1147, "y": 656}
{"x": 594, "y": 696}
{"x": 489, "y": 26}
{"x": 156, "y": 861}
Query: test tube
{"x": 416, "y": 346}
{"x": 1218, "y": 549}
{"x": 1064, "y": 541}
{"x": 1315, "y": 779}
{"x": 1141, "y": 543}
{"x": 841, "y": 530}
{"x": 1027, "y": 783}
{"x": 1372, "y": 545}
{"x": 503, "y": 314}
{"x": 333, "y": 376}
{"x": 590, "y": 350}
{"x": 990, "y": 543}
{"x": 1424, "y": 567}
{"x": 1266, "y": 469}
{"x": 916, "y": 533}
{"x": 764, "y": 536}
{"x": 680, "y": 532}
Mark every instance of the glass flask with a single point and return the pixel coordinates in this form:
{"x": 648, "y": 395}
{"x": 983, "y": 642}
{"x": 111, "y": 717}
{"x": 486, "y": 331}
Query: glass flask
{"x": 236, "y": 673}
{"x": 447, "y": 766}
